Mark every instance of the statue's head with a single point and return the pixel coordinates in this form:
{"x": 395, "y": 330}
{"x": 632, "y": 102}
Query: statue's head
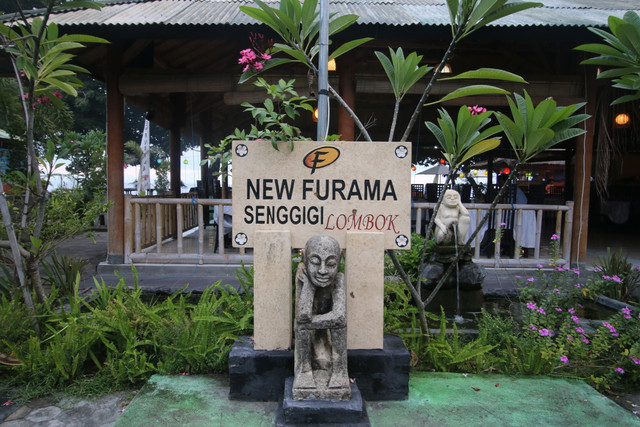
{"x": 322, "y": 259}
{"x": 451, "y": 198}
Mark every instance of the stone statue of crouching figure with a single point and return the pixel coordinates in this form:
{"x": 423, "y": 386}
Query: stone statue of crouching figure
{"x": 321, "y": 324}
{"x": 452, "y": 213}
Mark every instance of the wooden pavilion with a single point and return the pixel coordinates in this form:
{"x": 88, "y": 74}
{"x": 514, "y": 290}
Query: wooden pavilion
{"x": 178, "y": 61}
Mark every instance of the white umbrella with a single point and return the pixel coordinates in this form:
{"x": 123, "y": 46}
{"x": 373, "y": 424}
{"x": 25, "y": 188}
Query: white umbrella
{"x": 438, "y": 169}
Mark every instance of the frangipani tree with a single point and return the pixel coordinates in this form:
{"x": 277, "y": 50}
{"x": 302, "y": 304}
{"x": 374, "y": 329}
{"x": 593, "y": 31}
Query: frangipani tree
{"x": 42, "y": 62}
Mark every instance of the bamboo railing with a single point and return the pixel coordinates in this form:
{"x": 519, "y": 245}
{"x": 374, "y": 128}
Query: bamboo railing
{"x": 174, "y": 230}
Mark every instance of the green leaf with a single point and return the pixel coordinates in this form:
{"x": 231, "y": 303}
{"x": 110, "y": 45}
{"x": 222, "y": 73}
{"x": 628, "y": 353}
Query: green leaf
{"x": 294, "y": 53}
{"x": 600, "y": 49}
{"x": 346, "y": 47}
{"x": 341, "y": 22}
{"x": 471, "y": 91}
{"x": 628, "y": 35}
{"x": 308, "y": 16}
{"x": 480, "y": 147}
{"x": 512, "y": 131}
{"x": 506, "y": 10}
{"x": 487, "y": 74}
{"x": 626, "y": 98}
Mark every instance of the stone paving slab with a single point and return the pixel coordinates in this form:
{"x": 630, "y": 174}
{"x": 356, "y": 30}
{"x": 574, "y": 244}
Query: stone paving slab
{"x": 68, "y": 412}
{"x": 435, "y": 399}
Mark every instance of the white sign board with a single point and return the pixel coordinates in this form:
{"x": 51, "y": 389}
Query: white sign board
{"x": 322, "y": 188}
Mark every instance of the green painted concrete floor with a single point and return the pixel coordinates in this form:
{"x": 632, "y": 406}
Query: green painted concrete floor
{"x": 435, "y": 399}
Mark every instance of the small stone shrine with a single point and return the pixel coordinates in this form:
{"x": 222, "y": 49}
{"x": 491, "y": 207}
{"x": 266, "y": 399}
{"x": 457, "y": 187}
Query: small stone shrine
{"x": 324, "y": 197}
{"x": 451, "y": 227}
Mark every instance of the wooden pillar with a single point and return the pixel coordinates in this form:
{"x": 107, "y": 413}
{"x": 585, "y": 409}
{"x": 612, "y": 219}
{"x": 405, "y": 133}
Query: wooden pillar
{"x": 177, "y": 120}
{"x": 582, "y": 176}
{"x": 115, "y": 157}
{"x": 347, "y": 88}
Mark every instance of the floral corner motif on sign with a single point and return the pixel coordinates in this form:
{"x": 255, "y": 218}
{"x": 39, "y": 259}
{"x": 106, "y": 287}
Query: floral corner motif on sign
{"x": 242, "y": 150}
{"x": 402, "y": 241}
{"x": 401, "y": 151}
{"x": 241, "y": 239}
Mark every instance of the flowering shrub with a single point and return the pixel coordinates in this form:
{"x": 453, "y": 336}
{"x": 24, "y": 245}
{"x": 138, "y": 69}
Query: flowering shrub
{"x": 255, "y": 57}
{"x": 619, "y": 278}
{"x": 604, "y": 352}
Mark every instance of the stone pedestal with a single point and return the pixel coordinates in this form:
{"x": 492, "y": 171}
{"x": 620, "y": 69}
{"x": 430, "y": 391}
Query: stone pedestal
{"x": 293, "y": 412}
{"x": 260, "y": 374}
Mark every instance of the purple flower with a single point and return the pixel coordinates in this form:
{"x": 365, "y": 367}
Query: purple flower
{"x": 584, "y": 339}
{"x": 635, "y": 359}
{"x": 579, "y": 330}
{"x": 597, "y": 269}
{"x": 616, "y": 279}
{"x": 531, "y": 306}
{"x": 572, "y": 310}
{"x": 530, "y": 279}
{"x": 503, "y": 224}
{"x": 626, "y": 313}
{"x": 555, "y": 237}
{"x": 620, "y": 370}
{"x": 558, "y": 309}
{"x": 533, "y": 327}
{"x": 539, "y": 266}
{"x": 541, "y": 311}
{"x": 544, "y": 332}
{"x": 576, "y": 271}
{"x": 564, "y": 359}
{"x": 575, "y": 319}
{"x": 570, "y": 338}
{"x": 577, "y": 285}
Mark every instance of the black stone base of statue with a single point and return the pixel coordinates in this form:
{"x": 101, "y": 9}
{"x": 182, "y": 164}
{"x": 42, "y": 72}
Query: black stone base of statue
{"x": 292, "y": 412}
{"x": 257, "y": 375}
{"x": 382, "y": 374}
{"x": 260, "y": 374}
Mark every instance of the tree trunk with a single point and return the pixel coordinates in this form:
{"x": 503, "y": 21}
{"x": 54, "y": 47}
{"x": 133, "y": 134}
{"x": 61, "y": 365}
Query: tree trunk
{"x": 17, "y": 256}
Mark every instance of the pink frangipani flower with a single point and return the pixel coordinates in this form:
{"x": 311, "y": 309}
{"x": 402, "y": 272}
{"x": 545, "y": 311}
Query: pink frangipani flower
{"x": 475, "y": 110}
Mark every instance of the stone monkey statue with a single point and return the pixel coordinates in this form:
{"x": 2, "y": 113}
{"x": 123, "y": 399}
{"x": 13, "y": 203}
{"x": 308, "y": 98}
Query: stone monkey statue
{"x": 451, "y": 212}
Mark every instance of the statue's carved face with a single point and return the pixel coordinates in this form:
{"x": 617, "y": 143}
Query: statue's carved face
{"x": 322, "y": 259}
{"x": 451, "y": 198}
